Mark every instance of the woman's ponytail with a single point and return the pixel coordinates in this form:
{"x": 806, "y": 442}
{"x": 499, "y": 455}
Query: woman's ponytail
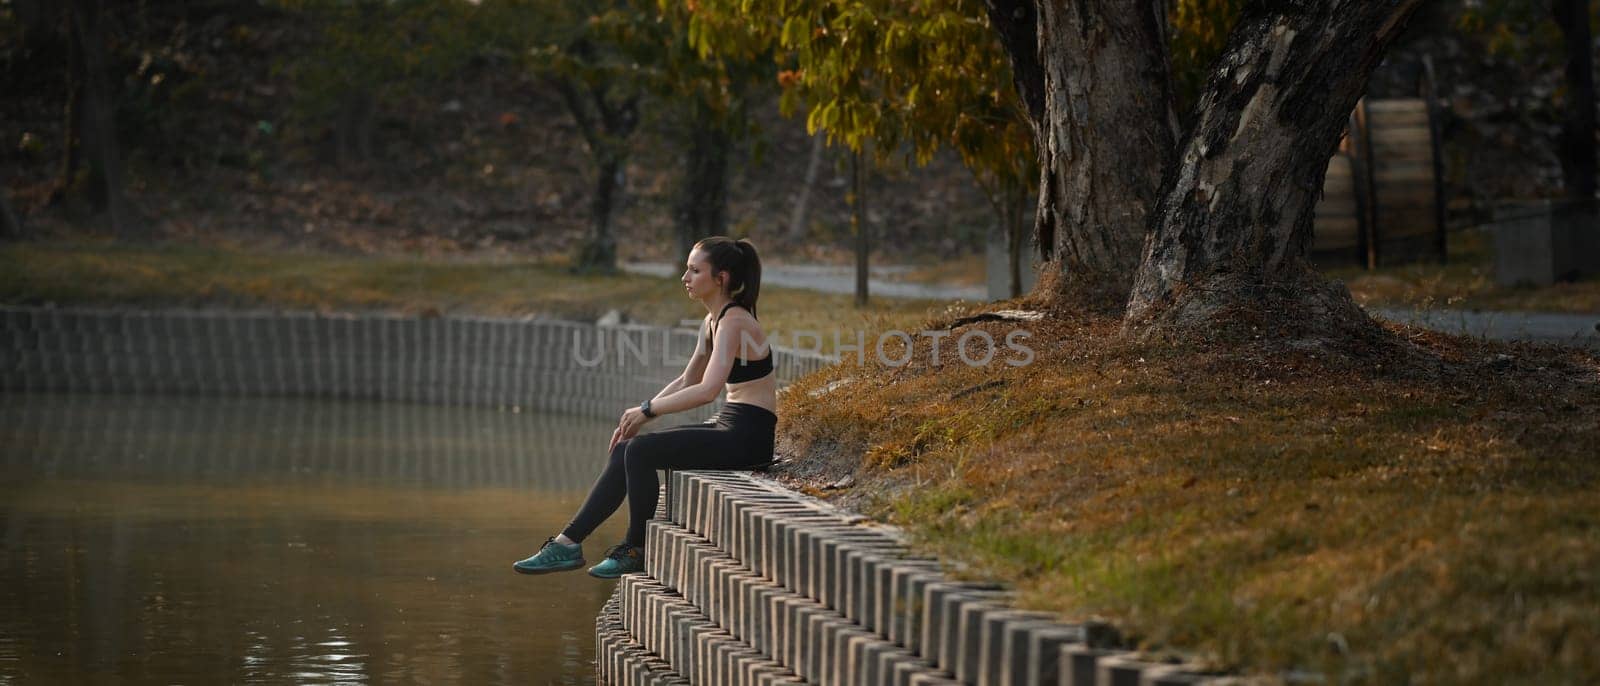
{"x": 751, "y": 277}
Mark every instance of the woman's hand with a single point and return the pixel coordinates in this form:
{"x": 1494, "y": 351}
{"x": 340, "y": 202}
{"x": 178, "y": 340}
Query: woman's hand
{"x": 628, "y": 427}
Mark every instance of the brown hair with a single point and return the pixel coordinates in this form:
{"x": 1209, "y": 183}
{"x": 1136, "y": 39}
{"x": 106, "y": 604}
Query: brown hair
{"x": 740, "y": 261}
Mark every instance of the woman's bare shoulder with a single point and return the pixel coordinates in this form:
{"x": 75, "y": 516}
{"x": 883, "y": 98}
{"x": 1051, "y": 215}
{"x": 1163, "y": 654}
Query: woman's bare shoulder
{"x": 738, "y": 320}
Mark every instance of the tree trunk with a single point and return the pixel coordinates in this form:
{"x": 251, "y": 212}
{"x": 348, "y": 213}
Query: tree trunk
{"x": 858, "y": 222}
{"x": 702, "y": 208}
{"x": 599, "y": 253}
{"x": 97, "y": 116}
{"x": 1577, "y": 149}
{"x": 1234, "y": 222}
{"x": 1015, "y": 197}
{"x": 1104, "y": 128}
{"x": 72, "y": 138}
{"x": 606, "y": 127}
{"x": 352, "y": 131}
{"x": 11, "y": 226}
{"x": 797, "y": 216}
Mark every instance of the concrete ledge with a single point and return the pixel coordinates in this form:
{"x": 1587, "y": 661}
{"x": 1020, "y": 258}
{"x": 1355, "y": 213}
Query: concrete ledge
{"x": 749, "y": 581}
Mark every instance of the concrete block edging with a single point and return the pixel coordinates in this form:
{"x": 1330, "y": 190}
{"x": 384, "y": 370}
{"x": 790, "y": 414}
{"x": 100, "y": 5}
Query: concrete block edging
{"x": 748, "y": 582}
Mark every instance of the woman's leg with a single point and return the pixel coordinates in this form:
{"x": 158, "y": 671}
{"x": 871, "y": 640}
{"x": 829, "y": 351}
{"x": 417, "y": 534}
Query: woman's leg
{"x": 684, "y": 447}
{"x": 604, "y": 498}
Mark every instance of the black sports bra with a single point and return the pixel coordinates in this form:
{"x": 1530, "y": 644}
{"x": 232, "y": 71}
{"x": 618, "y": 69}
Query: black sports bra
{"x": 743, "y": 370}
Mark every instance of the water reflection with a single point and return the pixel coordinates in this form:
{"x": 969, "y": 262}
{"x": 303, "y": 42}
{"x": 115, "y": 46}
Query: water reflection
{"x": 222, "y": 540}
{"x": 165, "y": 437}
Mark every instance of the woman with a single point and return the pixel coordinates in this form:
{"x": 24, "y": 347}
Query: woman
{"x": 732, "y": 352}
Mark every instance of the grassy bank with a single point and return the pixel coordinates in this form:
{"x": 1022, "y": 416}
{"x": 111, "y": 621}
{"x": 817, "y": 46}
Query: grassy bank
{"x": 1465, "y": 281}
{"x": 168, "y": 275}
{"x": 1429, "y": 518}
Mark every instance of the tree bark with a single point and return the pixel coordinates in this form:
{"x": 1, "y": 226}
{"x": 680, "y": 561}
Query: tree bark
{"x": 96, "y": 113}
{"x": 702, "y": 207}
{"x": 1577, "y": 149}
{"x": 1234, "y": 220}
{"x": 1097, "y": 85}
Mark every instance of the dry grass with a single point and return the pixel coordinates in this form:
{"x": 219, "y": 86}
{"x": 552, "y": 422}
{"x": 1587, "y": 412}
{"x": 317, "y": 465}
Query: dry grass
{"x": 1466, "y": 282}
{"x": 1428, "y": 517}
{"x": 967, "y": 270}
{"x": 165, "y": 275}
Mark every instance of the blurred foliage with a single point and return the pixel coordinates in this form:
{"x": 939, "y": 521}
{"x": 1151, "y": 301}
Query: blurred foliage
{"x": 886, "y": 78}
{"x": 1200, "y": 30}
{"x": 421, "y": 42}
{"x": 1520, "y": 30}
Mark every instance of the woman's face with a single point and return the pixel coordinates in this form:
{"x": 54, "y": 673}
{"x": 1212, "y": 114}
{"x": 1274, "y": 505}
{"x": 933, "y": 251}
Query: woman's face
{"x": 697, "y": 277}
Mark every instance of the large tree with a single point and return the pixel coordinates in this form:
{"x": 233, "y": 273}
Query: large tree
{"x": 1221, "y": 212}
{"x": 1097, "y": 79}
{"x": 1234, "y": 220}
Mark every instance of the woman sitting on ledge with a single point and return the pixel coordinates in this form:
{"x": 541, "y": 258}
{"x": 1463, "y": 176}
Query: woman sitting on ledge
{"x": 725, "y": 276}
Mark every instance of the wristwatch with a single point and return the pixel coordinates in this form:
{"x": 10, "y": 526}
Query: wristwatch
{"x": 645, "y": 408}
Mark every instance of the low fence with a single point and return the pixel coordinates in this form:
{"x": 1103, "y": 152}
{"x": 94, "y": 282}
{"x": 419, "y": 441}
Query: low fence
{"x": 536, "y": 364}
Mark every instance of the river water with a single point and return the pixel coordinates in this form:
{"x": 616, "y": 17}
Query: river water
{"x": 203, "y": 540}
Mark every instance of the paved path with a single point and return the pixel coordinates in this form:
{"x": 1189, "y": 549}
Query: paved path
{"x": 881, "y": 281}
{"x": 1540, "y": 327}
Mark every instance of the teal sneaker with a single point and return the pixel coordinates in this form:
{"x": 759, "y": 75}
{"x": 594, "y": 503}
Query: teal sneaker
{"x": 552, "y": 557}
{"x": 620, "y": 559}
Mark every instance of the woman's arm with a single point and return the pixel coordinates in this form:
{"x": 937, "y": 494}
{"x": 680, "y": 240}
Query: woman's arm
{"x": 693, "y": 372}
{"x": 693, "y": 376}
{"x": 712, "y": 380}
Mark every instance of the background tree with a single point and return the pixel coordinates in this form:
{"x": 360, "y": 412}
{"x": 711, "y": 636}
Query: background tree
{"x": 711, "y": 94}
{"x": 602, "y": 61}
{"x": 1577, "y": 149}
{"x": 354, "y": 72}
{"x": 93, "y": 165}
{"x": 893, "y": 83}
{"x": 1553, "y": 36}
{"x": 11, "y": 226}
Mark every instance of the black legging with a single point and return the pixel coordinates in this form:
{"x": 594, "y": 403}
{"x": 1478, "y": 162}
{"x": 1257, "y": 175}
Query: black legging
{"x": 740, "y": 435}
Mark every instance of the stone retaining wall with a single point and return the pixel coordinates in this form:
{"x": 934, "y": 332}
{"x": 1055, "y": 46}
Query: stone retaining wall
{"x": 747, "y": 582}
{"x": 534, "y": 364}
